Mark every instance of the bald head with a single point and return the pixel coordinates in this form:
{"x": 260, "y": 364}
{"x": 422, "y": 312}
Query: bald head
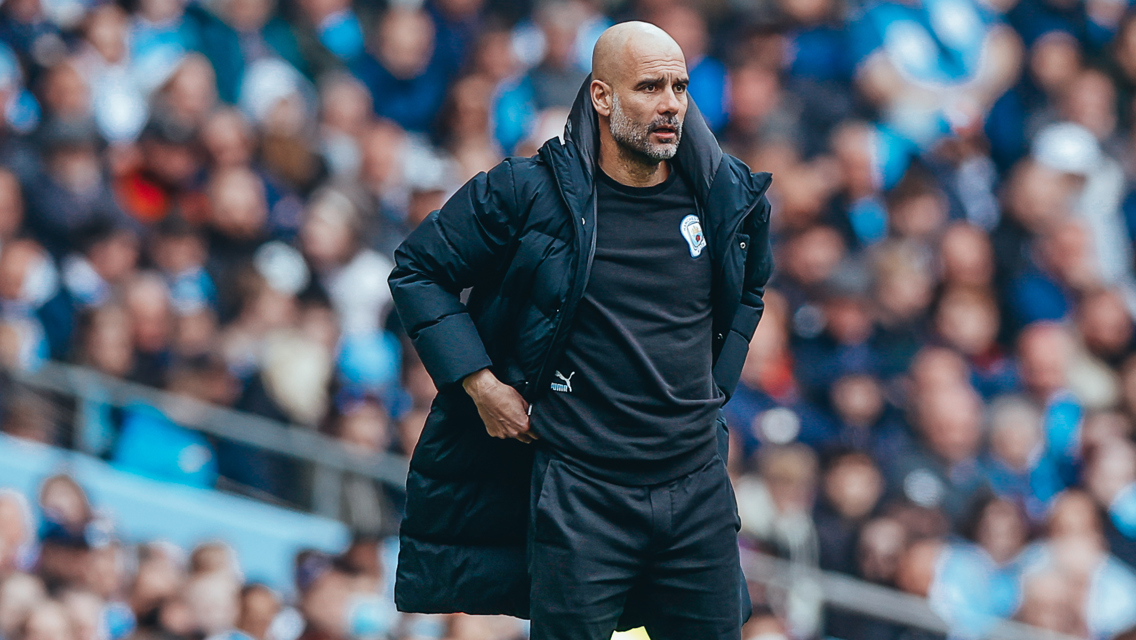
{"x": 638, "y": 90}
{"x": 621, "y": 47}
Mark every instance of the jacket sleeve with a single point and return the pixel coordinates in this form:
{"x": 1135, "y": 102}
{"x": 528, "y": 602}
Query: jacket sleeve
{"x": 758, "y": 269}
{"x": 451, "y": 249}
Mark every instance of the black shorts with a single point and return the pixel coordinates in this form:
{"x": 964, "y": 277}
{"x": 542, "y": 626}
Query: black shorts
{"x": 668, "y": 552}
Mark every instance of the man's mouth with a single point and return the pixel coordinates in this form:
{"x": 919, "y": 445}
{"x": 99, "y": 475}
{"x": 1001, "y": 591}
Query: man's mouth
{"x": 665, "y": 131}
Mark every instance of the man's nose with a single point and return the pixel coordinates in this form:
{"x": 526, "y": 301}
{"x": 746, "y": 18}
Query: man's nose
{"x": 670, "y": 104}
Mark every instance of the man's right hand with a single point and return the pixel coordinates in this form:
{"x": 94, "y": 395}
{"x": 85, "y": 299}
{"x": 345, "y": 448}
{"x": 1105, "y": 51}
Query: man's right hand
{"x": 504, "y": 411}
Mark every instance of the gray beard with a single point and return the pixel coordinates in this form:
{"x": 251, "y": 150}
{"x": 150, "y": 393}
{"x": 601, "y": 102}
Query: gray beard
{"x": 636, "y": 138}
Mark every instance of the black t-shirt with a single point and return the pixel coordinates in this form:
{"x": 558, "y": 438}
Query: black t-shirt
{"x": 633, "y": 399}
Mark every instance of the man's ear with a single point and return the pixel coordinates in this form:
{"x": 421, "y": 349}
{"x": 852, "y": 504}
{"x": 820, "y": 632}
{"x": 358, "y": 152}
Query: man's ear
{"x": 601, "y": 97}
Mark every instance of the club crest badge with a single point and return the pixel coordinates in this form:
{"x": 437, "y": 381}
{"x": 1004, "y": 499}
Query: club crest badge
{"x": 692, "y": 231}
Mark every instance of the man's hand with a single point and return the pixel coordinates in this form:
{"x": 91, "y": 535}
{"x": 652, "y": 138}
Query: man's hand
{"x": 504, "y": 411}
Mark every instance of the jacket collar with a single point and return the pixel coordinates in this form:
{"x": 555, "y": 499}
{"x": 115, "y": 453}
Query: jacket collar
{"x": 698, "y": 160}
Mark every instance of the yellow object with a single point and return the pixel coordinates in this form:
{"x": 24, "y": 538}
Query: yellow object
{"x": 634, "y": 634}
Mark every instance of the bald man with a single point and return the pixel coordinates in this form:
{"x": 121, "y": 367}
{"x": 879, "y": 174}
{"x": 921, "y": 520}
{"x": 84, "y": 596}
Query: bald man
{"x": 572, "y": 466}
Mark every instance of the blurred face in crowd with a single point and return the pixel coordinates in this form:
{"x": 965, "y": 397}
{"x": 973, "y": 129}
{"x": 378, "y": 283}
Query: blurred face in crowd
{"x": 64, "y": 499}
{"x": 639, "y": 91}
{"x": 11, "y": 205}
{"x": 1067, "y": 252}
{"x": 84, "y": 612}
{"x": 559, "y": 23}
{"x": 687, "y": 27}
{"x": 848, "y": 319}
{"x": 1074, "y": 515}
{"x": 248, "y": 16}
{"x": 365, "y": 427}
{"x": 916, "y": 571}
{"x": 493, "y": 55}
{"x": 1044, "y": 353}
{"x": 903, "y": 283}
{"x": 382, "y": 145}
{"x": 65, "y": 93}
{"x": 329, "y": 233}
{"x": 195, "y": 334}
{"x": 106, "y": 571}
{"x": 25, "y": 11}
{"x": 159, "y": 577}
{"x": 228, "y": 139}
{"x": 853, "y": 486}
{"x": 108, "y": 342}
{"x": 1105, "y": 324}
{"x": 191, "y": 93}
{"x": 950, "y": 419}
{"x": 324, "y": 604}
{"x": 1102, "y": 428}
{"x": 345, "y": 105}
{"x": 213, "y": 602}
{"x": 1001, "y": 531}
{"x": 177, "y": 253}
{"x": 48, "y": 621}
{"x": 417, "y": 381}
{"x": 1054, "y": 61}
{"x": 967, "y": 319}
{"x": 115, "y": 257}
{"x": 19, "y": 594}
{"x": 802, "y": 192}
{"x": 754, "y": 93}
{"x": 76, "y": 168}
{"x": 1036, "y": 196}
{"x": 213, "y": 557}
{"x": 410, "y": 430}
{"x": 106, "y": 32}
{"x": 812, "y": 255}
{"x": 790, "y": 475}
{"x": 14, "y": 530}
{"x": 406, "y": 42}
{"x": 807, "y": 11}
{"x": 239, "y": 207}
{"x": 858, "y": 400}
{"x": 1110, "y": 469}
{"x": 769, "y": 345}
{"x": 422, "y": 204}
{"x": 919, "y": 214}
{"x": 18, "y": 261}
{"x": 1015, "y": 433}
{"x": 259, "y": 606}
{"x": 1091, "y": 102}
{"x": 316, "y": 11}
{"x": 160, "y": 11}
{"x": 967, "y": 256}
{"x": 1047, "y": 603}
{"x": 852, "y": 145}
{"x": 148, "y": 303}
{"x": 471, "y": 99}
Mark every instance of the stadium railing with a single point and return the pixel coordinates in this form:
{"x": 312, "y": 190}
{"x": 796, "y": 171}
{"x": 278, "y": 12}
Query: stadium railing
{"x": 329, "y": 458}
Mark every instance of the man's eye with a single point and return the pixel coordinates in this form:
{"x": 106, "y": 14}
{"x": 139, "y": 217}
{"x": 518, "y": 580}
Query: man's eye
{"x": 679, "y": 88}
{"x": 651, "y": 87}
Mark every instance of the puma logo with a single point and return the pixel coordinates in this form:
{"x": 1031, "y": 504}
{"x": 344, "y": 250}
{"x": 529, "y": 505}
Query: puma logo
{"x": 563, "y": 387}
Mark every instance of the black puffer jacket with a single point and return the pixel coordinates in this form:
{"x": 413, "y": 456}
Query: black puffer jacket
{"x": 521, "y": 238}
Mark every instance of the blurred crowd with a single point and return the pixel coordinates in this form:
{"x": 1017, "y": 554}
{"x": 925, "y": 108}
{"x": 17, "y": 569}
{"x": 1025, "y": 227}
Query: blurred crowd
{"x": 204, "y": 196}
{"x": 65, "y": 574}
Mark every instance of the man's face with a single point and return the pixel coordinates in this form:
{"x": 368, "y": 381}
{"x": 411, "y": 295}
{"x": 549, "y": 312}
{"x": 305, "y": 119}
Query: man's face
{"x": 649, "y": 107}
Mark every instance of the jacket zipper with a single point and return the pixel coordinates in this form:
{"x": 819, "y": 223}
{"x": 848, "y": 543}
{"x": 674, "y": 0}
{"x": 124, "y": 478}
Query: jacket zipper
{"x": 568, "y": 309}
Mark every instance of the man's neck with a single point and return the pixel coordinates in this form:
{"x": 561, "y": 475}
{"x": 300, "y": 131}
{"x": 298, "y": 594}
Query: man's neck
{"x": 627, "y": 168}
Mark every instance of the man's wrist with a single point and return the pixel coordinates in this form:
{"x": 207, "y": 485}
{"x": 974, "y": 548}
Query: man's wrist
{"x": 476, "y": 381}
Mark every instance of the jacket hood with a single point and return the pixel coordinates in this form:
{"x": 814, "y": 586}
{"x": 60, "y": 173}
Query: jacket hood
{"x": 698, "y": 158}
